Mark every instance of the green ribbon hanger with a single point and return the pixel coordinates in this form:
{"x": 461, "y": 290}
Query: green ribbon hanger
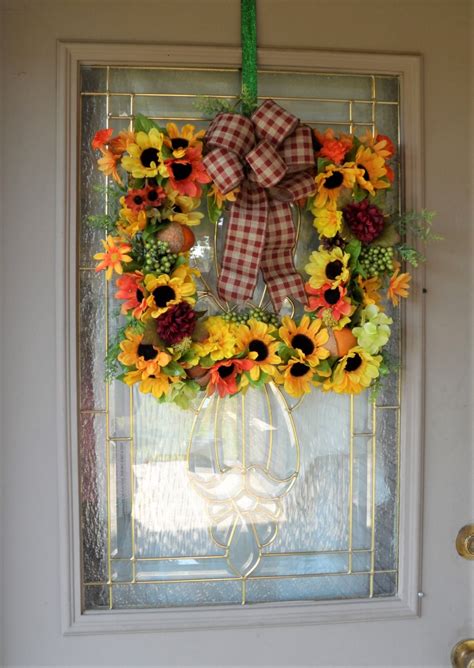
{"x": 248, "y": 23}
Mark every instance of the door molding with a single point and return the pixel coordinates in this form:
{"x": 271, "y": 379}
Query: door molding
{"x": 70, "y": 55}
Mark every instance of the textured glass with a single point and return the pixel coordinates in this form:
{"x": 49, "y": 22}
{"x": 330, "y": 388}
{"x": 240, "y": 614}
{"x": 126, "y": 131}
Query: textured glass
{"x": 249, "y": 499}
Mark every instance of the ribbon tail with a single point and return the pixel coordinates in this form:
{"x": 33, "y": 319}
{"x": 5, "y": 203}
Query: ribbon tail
{"x": 244, "y": 244}
{"x": 277, "y": 263}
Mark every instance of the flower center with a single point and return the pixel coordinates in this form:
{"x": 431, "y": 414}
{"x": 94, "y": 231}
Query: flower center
{"x": 333, "y": 269}
{"x": 334, "y": 181}
{"x": 148, "y": 156}
{"x": 146, "y": 351}
{"x": 257, "y": 346}
{"x": 304, "y": 343}
{"x": 152, "y": 195}
{"x": 226, "y": 371}
{"x": 366, "y": 175}
{"x": 138, "y": 199}
{"x": 177, "y": 209}
{"x": 179, "y": 142}
{"x": 181, "y": 170}
{"x": 298, "y": 370}
{"x": 331, "y": 296}
{"x": 139, "y": 295}
{"x": 163, "y": 295}
{"x": 353, "y": 363}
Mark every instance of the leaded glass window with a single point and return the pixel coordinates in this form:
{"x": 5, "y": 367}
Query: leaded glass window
{"x": 244, "y": 500}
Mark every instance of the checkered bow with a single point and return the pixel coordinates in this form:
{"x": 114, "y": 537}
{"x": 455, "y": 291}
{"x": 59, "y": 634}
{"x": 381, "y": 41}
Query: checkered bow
{"x": 267, "y": 155}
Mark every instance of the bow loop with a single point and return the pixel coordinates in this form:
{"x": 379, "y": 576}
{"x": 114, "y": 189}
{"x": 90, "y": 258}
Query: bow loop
{"x": 273, "y": 123}
{"x": 232, "y": 132}
{"x": 297, "y": 149}
{"x": 293, "y": 188}
{"x": 224, "y": 168}
{"x": 268, "y": 168}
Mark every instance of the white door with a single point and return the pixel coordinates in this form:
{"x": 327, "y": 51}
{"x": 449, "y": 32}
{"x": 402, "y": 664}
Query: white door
{"x": 419, "y": 619}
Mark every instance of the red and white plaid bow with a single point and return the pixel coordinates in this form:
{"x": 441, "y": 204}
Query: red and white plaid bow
{"x": 266, "y": 155}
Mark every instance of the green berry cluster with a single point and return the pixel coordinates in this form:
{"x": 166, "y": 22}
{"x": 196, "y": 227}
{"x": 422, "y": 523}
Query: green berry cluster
{"x": 157, "y": 257}
{"x": 376, "y": 260}
{"x": 242, "y": 317}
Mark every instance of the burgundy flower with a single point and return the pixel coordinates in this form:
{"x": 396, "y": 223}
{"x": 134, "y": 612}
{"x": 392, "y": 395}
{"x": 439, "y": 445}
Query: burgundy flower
{"x": 176, "y": 323}
{"x": 364, "y": 219}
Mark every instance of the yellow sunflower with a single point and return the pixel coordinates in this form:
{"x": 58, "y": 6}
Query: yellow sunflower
{"x": 166, "y": 290}
{"x": 371, "y": 173}
{"x": 328, "y": 267}
{"x": 179, "y": 142}
{"x": 307, "y": 338}
{"x": 256, "y": 338}
{"x": 144, "y": 159}
{"x": 329, "y": 184}
{"x": 221, "y": 341}
{"x": 296, "y": 377}
{"x": 327, "y": 222}
{"x": 147, "y": 358}
{"x": 130, "y": 222}
{"x": 354, "y": 373}
{"x": 184, "y": 208}
{"x": 157, "y": 385}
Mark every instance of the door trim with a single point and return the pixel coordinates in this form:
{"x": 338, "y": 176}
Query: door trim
{"x": 407, "y": 603}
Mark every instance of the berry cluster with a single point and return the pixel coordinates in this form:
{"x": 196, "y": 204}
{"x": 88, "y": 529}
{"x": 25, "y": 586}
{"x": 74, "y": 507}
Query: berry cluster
{"x": 376, "y": 260}
{"x": 157, "y": 257}
{"x": 242, "y": 317}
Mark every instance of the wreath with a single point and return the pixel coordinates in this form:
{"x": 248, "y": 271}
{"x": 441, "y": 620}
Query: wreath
{"x": 260, "y": 167}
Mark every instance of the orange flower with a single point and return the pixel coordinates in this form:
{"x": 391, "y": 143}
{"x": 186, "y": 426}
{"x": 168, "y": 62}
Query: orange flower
{"x": 186, "y": 174}
{"x": 115, "y": 253}
{"x": 332, "y": 147}
{"x": 398, "y": 286}
{"x": 131, "y": 289}
{"x": 101, "y": 138}
{"x": 224, "y": 376}
{"x": 108, "y": 165}
{"x": 120, "y": 143}
{"x": 370, "y": 290}
{"x": 220, "y": 198}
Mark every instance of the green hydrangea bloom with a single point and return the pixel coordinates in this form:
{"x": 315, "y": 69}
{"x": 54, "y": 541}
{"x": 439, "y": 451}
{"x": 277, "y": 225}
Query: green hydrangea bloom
{"x": 374, "y": 329}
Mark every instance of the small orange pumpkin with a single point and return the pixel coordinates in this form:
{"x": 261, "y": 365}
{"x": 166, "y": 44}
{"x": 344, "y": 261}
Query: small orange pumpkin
{"x": 340, "y": 341}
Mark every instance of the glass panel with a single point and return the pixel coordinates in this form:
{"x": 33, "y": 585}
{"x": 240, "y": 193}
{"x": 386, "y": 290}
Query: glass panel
{"x": 249, "y": 499}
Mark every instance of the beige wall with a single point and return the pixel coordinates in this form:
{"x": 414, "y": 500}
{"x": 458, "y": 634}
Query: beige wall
{"x": 437, "y": 29}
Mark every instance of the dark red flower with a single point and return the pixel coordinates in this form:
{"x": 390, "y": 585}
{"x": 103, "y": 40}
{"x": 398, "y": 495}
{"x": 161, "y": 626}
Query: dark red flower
{"x": 176, "y": 323}
{"x": 364, "y": 219}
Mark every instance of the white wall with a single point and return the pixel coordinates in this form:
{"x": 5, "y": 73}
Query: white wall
{"x": 438, "y": 29}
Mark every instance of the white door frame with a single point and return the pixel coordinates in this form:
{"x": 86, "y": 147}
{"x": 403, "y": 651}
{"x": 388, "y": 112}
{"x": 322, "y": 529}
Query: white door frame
{"x": 407, "y": 602}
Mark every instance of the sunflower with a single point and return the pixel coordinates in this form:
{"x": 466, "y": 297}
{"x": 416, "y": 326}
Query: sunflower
{"x": 307, "y": 339}
{"x": 165, "y": 291}
{"x": 144, "y": 159}
{"x": 145, "y": 357}
{"x": 256, "y": 339}
{"x": 184, "y": 208}
{"x": 130, "y": 222}
{"x": 331, "y": 304}
{"x": 328, "y": 267}
{"x": 179, "y": 142}
{"x": 296, "y": 377}
{"x": 354, "y": 372}
{"x": 157, "y": 385}
{"x": 131, "y": 289}
{"x": 327, "y": 222}
{"x": 227, "y": 377}
{"x": 115, "y": 254}
{"x": 186, "y": 174}
{"x": 371, "y": 173}
{"x": 330, "y": 183}
{"x": 221, "y": 340}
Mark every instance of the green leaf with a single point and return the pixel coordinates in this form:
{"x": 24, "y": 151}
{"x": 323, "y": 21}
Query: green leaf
{"x": 173, "y": 369}
{"x": 144, "y": 124}
{"x": 322, "y": 164}
{"x": 354, "y": 248}
{"x": 388, "y": 238}
{"x": 285, "y": 352}
{"x": 358, "y": 194}
{"x": 213, "y": 210}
